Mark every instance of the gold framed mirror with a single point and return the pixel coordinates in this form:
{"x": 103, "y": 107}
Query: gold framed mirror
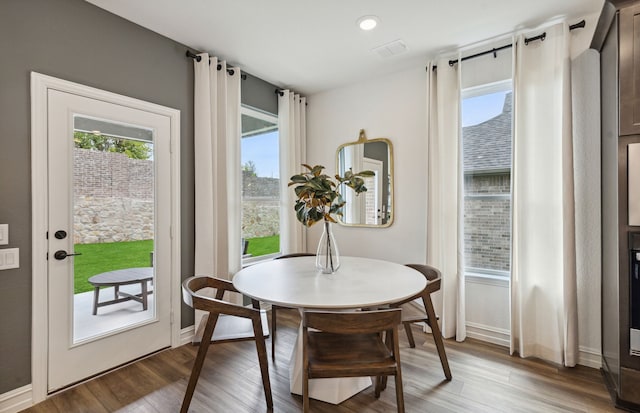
{"x": 373, "y": 208}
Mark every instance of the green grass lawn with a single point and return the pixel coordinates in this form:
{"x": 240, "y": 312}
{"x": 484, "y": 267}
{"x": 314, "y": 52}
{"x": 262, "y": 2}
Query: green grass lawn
{"x": 108, "y": 256}
{"x": 263, "y": 245}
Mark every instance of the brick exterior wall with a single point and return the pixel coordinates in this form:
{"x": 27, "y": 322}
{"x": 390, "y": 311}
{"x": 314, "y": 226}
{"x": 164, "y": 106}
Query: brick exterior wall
{"x": 113, "y": 197}
{"x": 487, "y": 221}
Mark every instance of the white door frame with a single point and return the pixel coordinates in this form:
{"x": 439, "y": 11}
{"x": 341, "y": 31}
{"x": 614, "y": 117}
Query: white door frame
{"x": 40, "y": 84}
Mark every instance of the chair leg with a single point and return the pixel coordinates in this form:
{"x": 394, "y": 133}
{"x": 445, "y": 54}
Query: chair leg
{"x": 387, "y": 341}
{"x": 262, "y": 359}
{"x": 399, "y": 393}
{"x": 305, "y": 390}
{"x": 273, "y": 331}
{"x": 407, "y": 328}
{"x": 437, "y": 335}
{"x": 197, "y": 364}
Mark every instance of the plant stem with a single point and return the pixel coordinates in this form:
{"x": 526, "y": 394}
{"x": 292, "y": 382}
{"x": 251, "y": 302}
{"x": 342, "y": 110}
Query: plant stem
{"x": 329, "y": 254}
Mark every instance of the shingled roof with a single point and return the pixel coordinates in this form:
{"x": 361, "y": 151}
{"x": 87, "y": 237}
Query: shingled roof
{"x": 487, "y": 145}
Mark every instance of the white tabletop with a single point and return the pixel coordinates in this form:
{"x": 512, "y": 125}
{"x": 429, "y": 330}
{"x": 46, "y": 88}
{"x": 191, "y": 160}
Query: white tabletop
{"x": 359, "y": 282}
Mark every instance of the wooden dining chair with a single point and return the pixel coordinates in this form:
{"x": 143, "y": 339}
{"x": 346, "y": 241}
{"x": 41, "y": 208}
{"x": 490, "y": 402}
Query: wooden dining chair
{"x": 216, "y": 306}
{"x": 275, "y": 308}
{"x": 411, "y": 314}
{"x": 350, "y": 344}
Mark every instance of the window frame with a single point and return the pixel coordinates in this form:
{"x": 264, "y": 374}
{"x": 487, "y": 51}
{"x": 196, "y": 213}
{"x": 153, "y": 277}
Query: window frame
{"x": 267, "y": 117}
{"x": 497, "y": 277}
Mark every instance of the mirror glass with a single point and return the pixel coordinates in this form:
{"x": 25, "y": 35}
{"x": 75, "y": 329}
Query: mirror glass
{"x": 373, "y": 208}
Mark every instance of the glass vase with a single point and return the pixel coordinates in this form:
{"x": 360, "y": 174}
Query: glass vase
{"x": 327, "y": 256}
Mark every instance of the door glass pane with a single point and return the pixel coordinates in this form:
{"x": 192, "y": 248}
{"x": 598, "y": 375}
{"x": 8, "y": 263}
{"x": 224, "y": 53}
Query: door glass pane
{"x": 113, "y": 226}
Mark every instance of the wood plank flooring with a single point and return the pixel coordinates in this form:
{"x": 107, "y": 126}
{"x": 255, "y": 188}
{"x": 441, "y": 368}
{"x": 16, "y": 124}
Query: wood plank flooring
{"x": 485, "y": 379}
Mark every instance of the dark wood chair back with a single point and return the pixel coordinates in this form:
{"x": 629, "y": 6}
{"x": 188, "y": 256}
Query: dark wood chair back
{"x": 350, "y": 344}
{"x": 294, "y": 255}
{"x": 192, "y": 296}
{"x": 434, "y": 279}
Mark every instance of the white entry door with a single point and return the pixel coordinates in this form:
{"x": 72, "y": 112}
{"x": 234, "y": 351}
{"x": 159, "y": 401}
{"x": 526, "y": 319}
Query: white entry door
{"x": 109, "y": 199}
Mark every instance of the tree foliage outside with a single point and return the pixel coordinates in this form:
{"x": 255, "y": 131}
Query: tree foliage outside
{"x": 133, "y": 149}
{"x": 249, "y": 169}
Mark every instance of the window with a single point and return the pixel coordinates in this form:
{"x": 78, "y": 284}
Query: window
{"x": 260, "y": 184}
{"x": 486, "y": 152}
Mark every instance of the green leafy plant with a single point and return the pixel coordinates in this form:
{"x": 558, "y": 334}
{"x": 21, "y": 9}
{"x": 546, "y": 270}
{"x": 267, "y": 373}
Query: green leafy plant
{"x": 318, "y": 194}
{"x": 103, "y": 143}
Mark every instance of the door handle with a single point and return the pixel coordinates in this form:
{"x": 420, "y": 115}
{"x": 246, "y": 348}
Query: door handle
{"x": 61, "y": 254}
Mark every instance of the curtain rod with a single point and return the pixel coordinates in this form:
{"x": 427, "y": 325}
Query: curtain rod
{"x": 527, "y": 40}
{"x": 219, "y": 67}
{"x": 280, "y": 92}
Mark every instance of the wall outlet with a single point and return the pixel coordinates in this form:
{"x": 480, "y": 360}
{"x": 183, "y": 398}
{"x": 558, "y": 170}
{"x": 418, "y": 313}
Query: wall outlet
{"x": 9, "y": 258}
{"x": 4, "y": 234}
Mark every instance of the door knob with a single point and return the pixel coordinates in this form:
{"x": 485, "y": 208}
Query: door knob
{"x": 61, "y": 254}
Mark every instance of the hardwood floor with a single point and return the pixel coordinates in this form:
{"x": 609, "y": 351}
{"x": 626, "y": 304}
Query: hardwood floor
{"x": 485, "y": 379}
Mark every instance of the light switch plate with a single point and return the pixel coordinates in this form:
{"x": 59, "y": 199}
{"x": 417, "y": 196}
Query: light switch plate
{"x": 9, "y": 258}
{"x": 4, "y": 234}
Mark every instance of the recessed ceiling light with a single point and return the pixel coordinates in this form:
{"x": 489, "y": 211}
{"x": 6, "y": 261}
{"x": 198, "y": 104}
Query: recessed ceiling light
{"x": 368, "y": 22}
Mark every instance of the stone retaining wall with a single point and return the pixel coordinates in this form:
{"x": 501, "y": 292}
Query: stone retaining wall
{"x": 113, "y": 197}
{"x": 260, "y": 217}
{"x": 98, "y": 220}
{"x": 113, "y": 200}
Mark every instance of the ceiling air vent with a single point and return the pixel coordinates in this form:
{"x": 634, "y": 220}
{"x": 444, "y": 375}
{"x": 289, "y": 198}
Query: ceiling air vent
{"x": 390, "y": 49}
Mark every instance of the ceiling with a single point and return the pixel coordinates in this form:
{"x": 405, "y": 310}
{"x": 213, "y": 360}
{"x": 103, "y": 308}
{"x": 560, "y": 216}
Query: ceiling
{"x": 311, "y": 46}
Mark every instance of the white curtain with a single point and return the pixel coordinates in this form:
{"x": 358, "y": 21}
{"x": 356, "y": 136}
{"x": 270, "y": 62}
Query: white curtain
{"x": 292, "y": 127}
{"x": 543, "y": 284}
{"x": 444, "y": 204}
{"x": 217, "y": 169}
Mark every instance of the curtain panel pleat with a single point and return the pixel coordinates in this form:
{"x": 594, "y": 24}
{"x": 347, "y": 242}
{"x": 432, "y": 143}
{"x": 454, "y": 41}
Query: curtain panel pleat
{"x": 217, "y": 169}
{"x": 444, "y": 200}
{"x": 292, "y": 126}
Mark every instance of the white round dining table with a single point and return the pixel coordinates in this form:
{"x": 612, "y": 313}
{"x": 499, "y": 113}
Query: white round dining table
{"x": 358, "y": 283}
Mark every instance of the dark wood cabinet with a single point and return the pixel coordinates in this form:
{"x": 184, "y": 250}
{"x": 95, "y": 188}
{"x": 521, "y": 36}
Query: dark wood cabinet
{"x": 617, "y": 38}
{"x": 629, "y": 32}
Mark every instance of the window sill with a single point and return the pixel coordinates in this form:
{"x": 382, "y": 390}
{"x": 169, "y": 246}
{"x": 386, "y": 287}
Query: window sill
{"x": 247, "y": 262}
{"x": 487, "y": 279}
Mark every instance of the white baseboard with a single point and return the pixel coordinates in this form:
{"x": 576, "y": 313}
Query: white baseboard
{"x": 186, "y": 335}
{"x": 489, "y": 334}
{"x": 589, "y": 357}
{"x": 16, "y": 400}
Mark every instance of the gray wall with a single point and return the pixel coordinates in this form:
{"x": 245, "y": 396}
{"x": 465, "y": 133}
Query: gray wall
{"x": 259, "y": 94}
{"x": 75, "y": 41}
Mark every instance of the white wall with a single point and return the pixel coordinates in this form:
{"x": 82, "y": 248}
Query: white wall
{"x": 394, "y": 107}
